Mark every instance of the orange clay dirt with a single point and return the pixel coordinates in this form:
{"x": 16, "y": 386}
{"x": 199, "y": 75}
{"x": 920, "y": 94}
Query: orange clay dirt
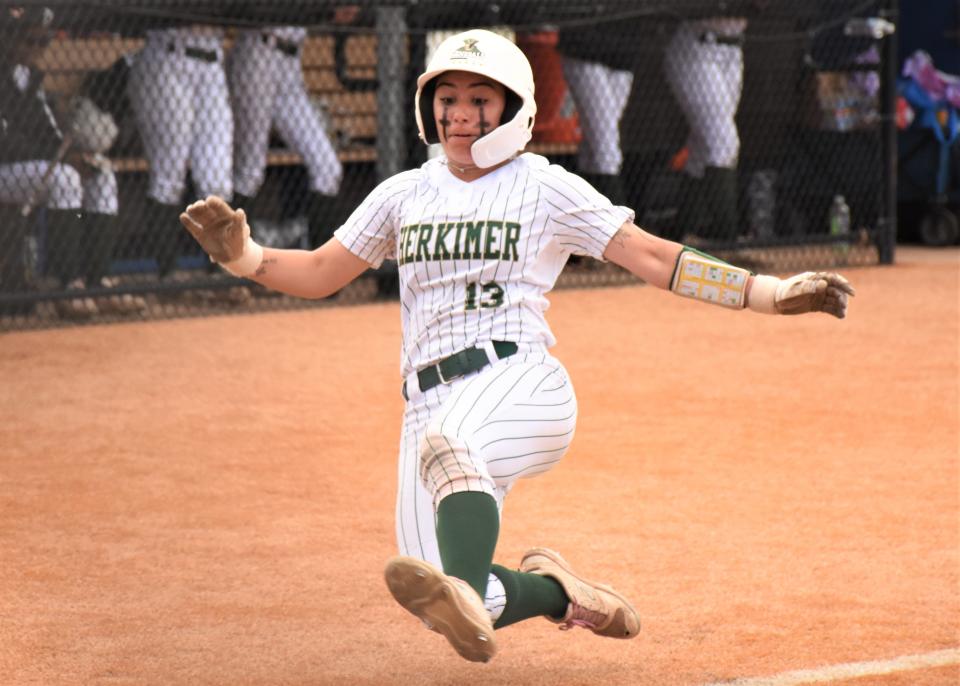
{"x": 210, "y": 501}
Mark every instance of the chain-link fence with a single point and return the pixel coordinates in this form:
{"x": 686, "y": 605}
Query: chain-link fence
{"x": 760, "y": 131}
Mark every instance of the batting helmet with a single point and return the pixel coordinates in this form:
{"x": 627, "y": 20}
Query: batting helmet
{"x": 485, "y": 53}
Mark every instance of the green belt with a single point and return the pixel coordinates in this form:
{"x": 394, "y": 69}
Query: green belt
{"x": 459, "y": 364}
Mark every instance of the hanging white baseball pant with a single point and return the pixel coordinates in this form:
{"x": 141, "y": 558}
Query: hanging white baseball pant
{"x": 600, "y": 94}
{"x": 178, "y": 90}
{"x": 268, "y": 90}
{"x": 706, "y": 78}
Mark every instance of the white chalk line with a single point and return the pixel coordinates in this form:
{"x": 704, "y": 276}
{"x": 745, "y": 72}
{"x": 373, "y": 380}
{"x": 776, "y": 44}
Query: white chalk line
{"x": 851, "y": 670}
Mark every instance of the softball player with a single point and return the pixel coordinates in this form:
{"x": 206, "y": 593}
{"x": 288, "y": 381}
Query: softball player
{"x": 267, "y": 90}
{"x": 597, "y": 66}
{"x": 40, "y": 166}
{"x": 704, "y": 67}
{"x": 480, "y": 236}
{"x": 178, "y": 91}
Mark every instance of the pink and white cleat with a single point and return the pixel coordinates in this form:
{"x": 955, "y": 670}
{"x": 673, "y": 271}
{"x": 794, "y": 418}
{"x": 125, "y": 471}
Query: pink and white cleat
{"x": 592, "y": 606}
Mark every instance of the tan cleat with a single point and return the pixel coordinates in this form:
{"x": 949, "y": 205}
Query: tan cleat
{"x": 446, "y": 604}
{"x": 592, "y": 606}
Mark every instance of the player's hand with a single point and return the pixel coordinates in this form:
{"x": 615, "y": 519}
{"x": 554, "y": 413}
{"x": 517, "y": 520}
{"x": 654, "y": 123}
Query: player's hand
{"x": 813, "y": 292}
{"x": 219, "y": 229}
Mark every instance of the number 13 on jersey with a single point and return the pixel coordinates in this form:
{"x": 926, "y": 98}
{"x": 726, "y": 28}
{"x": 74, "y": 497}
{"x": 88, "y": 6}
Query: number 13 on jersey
{"x": 483, "y": 295}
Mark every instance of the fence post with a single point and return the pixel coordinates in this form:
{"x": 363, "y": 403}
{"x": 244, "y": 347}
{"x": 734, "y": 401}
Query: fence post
{"x": 887, "y": 235}
{"x": 391, "y": 115}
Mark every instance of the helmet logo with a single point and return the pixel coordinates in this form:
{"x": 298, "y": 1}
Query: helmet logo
{"x": 467, "y": 50}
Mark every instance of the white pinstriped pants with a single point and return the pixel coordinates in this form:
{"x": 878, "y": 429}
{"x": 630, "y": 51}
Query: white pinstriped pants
{"x": 267, "y": 89}
{"x": 513, "y": 419}
{"x": 182, "y": 107}
{"x": 600, "y": 94}
{"x": 707, "y": 79}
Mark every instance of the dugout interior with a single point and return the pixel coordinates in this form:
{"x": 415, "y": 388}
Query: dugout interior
{"x": 811, "y": 115}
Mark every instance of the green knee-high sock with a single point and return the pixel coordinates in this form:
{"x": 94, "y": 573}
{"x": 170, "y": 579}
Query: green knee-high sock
{"x": 529, "y": 595}
{"x": 467, "y": 528}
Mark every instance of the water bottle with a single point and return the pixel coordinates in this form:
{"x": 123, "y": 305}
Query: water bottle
{"x": 840, "y": 224}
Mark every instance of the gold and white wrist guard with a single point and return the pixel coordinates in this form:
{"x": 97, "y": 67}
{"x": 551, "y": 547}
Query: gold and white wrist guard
{"x": 702, "y": 277}
{"x": 249, "y": 260}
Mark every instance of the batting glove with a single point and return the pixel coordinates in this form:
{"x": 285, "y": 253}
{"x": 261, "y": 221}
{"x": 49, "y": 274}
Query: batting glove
{"x": 807, "y": 292}
{"x": 224, "y": 235}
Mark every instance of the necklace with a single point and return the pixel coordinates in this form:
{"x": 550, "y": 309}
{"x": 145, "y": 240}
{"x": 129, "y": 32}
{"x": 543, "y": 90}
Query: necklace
{"x": 471, "y": 167}
{"x": 457, "y": 167}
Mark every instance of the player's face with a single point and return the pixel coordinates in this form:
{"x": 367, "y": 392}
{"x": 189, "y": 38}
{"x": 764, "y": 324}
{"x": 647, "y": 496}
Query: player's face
{"x": 465, "y": 107}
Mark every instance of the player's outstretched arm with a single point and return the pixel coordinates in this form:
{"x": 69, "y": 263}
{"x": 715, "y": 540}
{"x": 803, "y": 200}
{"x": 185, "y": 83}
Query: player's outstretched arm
{"x": 225, "y": 236}
{"x": 694, "y": 274}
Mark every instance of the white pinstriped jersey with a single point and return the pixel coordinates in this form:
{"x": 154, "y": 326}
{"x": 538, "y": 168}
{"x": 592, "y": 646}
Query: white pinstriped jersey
{"x": 477, "y": 259}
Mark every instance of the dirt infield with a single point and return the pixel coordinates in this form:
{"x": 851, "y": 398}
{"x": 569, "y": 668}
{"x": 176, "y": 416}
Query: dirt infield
{"x": 210, "y": 501}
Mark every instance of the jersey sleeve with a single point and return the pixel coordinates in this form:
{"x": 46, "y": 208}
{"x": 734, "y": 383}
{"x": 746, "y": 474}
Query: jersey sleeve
{"x": 370, "y": 232}
{"x": 582, "y": 219}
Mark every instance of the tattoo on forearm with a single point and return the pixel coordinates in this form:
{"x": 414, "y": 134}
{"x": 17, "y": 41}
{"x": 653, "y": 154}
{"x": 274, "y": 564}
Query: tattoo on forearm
{"x": 262, "y": 269}
{"x": 621, "y": 237}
